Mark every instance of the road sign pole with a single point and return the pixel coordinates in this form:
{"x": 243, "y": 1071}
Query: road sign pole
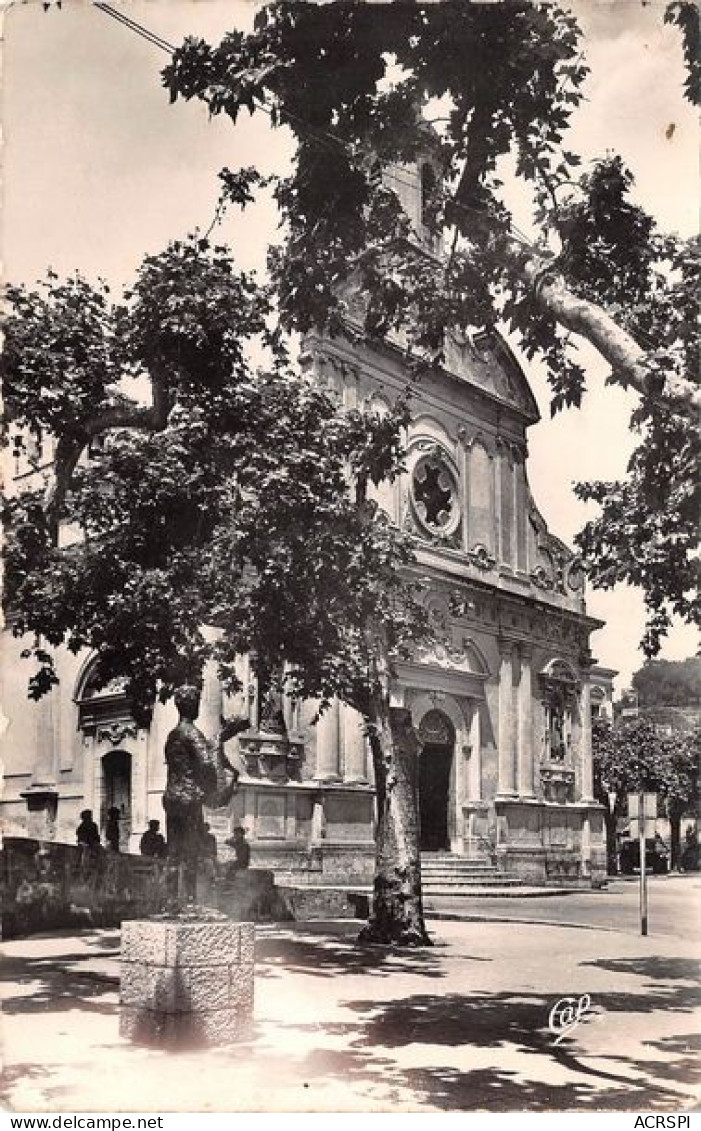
{"x": 643, "y": 873}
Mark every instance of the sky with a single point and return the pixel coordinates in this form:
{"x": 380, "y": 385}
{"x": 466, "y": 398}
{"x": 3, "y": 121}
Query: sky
{"x": 99, "y": 170}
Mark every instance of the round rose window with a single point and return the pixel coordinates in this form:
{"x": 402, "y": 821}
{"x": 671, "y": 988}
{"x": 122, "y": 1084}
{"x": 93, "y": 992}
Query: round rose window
{"x": 435, "y": 495}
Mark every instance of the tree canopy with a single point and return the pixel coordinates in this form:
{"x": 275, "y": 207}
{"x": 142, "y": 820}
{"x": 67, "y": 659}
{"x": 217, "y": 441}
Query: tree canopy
{"x": 368, "y": 89}
{"x": 637, "y": 756}
{"x": 640, "y": 756}
{"x": 669, "y": 683}
{"x": 235, "y": 501}
{"x": 236, "y": 497}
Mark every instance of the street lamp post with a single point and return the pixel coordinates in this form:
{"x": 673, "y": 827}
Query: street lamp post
{"x": 643, "y": 872}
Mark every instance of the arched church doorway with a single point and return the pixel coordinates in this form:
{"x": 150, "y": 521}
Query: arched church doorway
{"x": 437, "y": 737}
{"x": 116, "y": 794}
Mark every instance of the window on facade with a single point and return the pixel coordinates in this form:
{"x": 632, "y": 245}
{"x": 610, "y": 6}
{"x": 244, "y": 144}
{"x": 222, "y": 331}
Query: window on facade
{"x": 435, "y": 495}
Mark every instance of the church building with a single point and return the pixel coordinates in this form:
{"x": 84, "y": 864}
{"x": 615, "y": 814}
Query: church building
{"x": 502, "y": 703}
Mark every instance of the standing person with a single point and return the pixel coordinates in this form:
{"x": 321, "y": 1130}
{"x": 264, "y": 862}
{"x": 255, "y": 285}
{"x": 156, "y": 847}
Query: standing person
{"x": 112, "y": 828}
{"x": 242, "y": 850}
{"x": 209, "y": 854}
{"x": 209, "y": 843}
{"x": 153, "y": 842}
{"x": 87, "y": 833}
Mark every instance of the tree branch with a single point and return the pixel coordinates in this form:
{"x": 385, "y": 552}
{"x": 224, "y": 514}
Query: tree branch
{"x": 585, "y": 318}
{"x": 70, "y": 447}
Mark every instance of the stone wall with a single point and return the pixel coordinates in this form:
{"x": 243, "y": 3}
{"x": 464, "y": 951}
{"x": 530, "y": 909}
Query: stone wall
{"x": 49, "y": 887}
{"x": 46, "y": 886}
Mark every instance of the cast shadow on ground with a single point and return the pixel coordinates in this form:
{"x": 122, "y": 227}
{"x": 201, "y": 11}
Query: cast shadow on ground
{"x": 58, "y": 984}
{"x": 381, "y": 1042}
{"x": 686, "y": 1049}
{"x": 503, "y": 1022}
{"x": 328, "y": 955}
{"x": 653, "y": 967}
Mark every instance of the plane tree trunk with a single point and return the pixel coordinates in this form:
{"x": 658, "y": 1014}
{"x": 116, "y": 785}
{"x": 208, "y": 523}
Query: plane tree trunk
{"x": 397, "y": 916}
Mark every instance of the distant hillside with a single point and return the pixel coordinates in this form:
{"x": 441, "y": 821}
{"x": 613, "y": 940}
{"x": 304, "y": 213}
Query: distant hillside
{"x": 668, "y": 683}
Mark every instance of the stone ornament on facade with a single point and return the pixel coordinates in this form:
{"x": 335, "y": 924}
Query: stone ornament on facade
{"x": 481, "y": 557}
{"x": 436, "y": 729}
{"x": 558, "y": 783}
{"x": 271, "y": 756}
{"x": 435, "y": 494}
{"x": 115, "y": 733}
{"x": 575, "y": 575}
{"x": 446, "y": 654}
{"x": 541, "y": 578}
{"x": 269, "y": 752}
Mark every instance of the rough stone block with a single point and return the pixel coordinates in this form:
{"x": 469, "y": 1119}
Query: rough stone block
{"x": 154, "y": 987}
{"x": 247, "y": 943}
{"x": 201, "y": 988}
{"x": 241, "y": 990}
{"x": 187, "y": 982}
{"x": 202, "y": 944}
{"x": 144, "y": 941}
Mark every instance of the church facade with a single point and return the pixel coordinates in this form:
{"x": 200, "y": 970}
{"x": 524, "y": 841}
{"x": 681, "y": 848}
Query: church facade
{"x": 502, "y": 702}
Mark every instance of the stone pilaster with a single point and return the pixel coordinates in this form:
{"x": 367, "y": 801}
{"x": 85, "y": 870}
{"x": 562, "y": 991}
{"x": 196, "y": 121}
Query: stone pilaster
{"x": 474, "y": 779}
{"x": 463, "y": 466}
{"x": 586, "y": 845}
{"x": 496, "y": 468}
{"x": 354, "y": 746}
{"x": 586, "y": 766}
{"x": 318, "y": 829}
{"x": 139, "y": 790}
{"x": 507, "y": 728}
{"x": 525, "y": 725}
{"x": 208, "y": 719}
{"x": 328, "y": 744}
{"x": 45, "y": 767}
{"x": 41, "y": 798}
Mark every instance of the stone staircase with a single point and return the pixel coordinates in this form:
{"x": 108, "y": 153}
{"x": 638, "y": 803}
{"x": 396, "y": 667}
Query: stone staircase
{"x": 444, "y": 874}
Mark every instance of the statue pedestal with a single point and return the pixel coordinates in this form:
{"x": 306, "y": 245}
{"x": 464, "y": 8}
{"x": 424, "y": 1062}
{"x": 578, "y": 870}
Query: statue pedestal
{"x": 186, "y": 981}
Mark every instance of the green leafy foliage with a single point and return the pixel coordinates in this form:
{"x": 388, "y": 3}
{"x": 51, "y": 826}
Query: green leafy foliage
{"x": 245, "y": 512}
{"x": 646, "y": 533}
{"x": 669, "y": 683}
{"x": 685, "y": 13}
{"x": 511, "y": 71}
{"x": 358, "y": 85}
{"x": 638, "y": 756}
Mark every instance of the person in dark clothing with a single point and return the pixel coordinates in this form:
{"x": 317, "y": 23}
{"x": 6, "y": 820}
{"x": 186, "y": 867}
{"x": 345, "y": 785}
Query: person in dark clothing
{"x": 153, "y": 842}
{"x": 242, "y": 850}
{"x": 209, "y": 843}
{"x": 87, "y": 833}
{"x": 112, "y": 828}
{"x": 208, "y": 862}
